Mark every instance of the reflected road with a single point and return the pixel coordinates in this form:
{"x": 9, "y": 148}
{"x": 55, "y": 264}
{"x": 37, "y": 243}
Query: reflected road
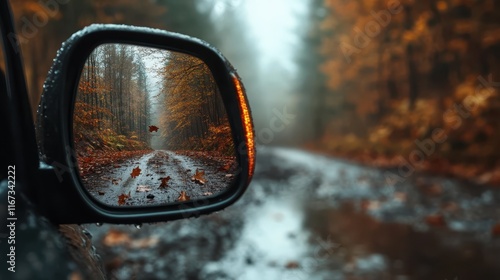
{"x": 161, "y": 177}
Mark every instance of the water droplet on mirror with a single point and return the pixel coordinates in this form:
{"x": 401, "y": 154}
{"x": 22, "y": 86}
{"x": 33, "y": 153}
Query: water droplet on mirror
{"x": 138, "y": 226}
{"x": 98, "y": 224}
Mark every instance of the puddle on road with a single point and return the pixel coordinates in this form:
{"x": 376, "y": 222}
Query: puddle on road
{"x": 286, "y": 239}
{"x": 372, "y": 249}
{"x": 271, "y": 244}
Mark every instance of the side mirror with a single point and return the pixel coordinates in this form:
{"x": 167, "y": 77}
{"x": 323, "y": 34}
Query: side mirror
{"x": 141, "y": 125}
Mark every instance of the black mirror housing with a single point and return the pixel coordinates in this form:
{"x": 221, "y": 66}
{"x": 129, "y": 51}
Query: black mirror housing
{"x": 61, "y": 193}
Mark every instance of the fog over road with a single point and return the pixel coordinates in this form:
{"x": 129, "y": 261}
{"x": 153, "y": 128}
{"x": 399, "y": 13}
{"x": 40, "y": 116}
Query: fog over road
{"x": 113, "y": 180}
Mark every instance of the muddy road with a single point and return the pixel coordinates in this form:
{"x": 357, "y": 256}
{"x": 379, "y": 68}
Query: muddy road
{"x": 159, "y": 177}
{"x": 310, "y": 217}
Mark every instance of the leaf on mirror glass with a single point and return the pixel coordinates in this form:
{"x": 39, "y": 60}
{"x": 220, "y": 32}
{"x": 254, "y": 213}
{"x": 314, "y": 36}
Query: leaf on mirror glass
{"x": 135, "y": 172}
{"x": 153, "y": 128}
{"x": 122, "y": 198}
{"x": 183, "y": 196}
{"x": 164, "y": 182}
{"x": 199, "y": 177}
{"x": 142, "y": 188}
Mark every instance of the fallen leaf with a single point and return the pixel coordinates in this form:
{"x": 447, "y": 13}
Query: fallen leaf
{"x": 114, "y": 263}
{"x": 225, "y": 168}
{"x": 122, "y": 198}
{"x": 400, "y": 196}
{"x": 115, "y": 237}
{"x": 142, "y": 188}
{"x": 135, "y": 172}
{"x": 450, "y": 207}
{"x": 183, "y": 196}
{"x": 144, "y": 242}
{"x": 495, "y": 231}
{"x": 153, "y": 128}
{"x": 292, "y": 265}
{"x": 164, "y": 182}
{"x": 435, "y": 220}
{"x": 199, "y": 177}
{"x": 370, "y": 205}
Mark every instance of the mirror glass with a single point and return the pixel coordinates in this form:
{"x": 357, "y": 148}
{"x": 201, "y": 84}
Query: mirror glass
{"x": 150, "y": 127}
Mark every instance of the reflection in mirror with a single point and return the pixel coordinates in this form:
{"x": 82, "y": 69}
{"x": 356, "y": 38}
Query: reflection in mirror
{"x": 150, "y": 128}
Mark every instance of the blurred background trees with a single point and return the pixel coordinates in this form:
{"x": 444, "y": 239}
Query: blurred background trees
{"x": 398, "y": 70}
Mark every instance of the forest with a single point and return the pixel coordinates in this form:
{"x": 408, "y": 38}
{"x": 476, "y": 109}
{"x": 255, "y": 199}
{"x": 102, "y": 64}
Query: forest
{"x": 391, "y": 75}
{"x": 112, "y": 108}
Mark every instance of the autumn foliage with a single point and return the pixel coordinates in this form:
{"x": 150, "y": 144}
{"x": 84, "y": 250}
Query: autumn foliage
{"x": 394, "y": 72}
{"x": 194, "y": 117}
{"x": 112, "y": 106}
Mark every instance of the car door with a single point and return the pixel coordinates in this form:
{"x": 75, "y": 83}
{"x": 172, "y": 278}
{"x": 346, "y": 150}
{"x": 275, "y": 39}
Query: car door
{"x": 30, "y": 246}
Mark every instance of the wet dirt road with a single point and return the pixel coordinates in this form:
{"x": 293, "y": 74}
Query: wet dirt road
{"x": 160, "y": 178}
{"x": 310, "y": 217}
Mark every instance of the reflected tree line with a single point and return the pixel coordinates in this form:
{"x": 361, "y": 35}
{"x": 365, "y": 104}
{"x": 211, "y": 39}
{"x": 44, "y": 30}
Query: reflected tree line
{"x": 192, "y": 116}
{"x": 112, "y": 109}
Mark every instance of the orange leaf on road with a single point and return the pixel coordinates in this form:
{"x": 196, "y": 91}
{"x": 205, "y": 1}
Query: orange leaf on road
{"x": 183, "y": 196}
{"x": 122, "y": 198}
{"x": 164, "y": 182}
{"x": 436, "y": 220}
{"x": 495, "y": 231}
{"x": 135, "y": 172}
{"x": 225, "y": 168}
{"x": 199, "y": 177}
